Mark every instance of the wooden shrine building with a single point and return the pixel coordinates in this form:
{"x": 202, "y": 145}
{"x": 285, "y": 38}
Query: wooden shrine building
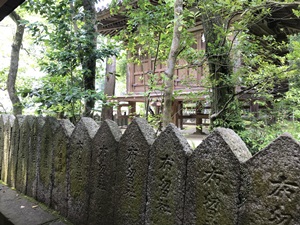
{"x": 280, "y": 23}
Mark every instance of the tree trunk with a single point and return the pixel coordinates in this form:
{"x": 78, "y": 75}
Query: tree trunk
{"x": 109, "y": 87}
{"x": 219, "y": 63}
{"x": 89, "y": 60}
{"x": 174, "y": 51}
{"x": 14, "y": 65}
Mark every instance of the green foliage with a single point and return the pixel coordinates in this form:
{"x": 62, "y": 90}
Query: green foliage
{"x": 149, "y": 35}
{"x": 3, "y": 78}
{"x": 63, "y": 99}
{"x": 258, "y": 134}
{"x": 67, "y": 34}
{"x": 231, "y": 118}
{"x": 279, "y": 105}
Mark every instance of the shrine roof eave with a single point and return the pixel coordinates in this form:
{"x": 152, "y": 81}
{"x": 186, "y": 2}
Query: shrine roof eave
{"x": 140, "y": 97}
{"x": 7, "y": 6}
{"x": 281, "y": 22}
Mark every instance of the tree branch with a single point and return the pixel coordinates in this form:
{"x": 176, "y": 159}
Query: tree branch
{"x": 216, "y": 115}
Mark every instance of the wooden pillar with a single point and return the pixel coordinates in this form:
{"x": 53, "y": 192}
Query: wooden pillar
{"x": 175, "y": 111}
{"x": 199, "y": 118}
{"x": 132, "y": 110}
{"x": 119, "y": 113}
{"x": 181, "y": 114}
{"x": 254, "y": 107}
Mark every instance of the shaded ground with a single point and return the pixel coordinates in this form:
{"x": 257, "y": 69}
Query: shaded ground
{"x": 193, "y": 139}
{"x": 17, "y": 209}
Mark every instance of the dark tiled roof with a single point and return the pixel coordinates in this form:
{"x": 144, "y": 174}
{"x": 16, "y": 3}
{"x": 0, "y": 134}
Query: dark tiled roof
{"x": 280, "y": 23}
{"x": 111, "y": 24}
{"x": 7, "y": 6}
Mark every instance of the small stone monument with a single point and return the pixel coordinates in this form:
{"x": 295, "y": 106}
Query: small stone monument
{"x": 61, "y": 137}
{"x": 167, "y": 178}
{"x": 25, "y": 145}
{"x": 13, "y": 151}
{"x": 213, "y": 179}
{"x": 45, "y": 171}
{"x": 131, "y": 173}
{"x": 3, "y": 121}
{"x": 79, "y": 153}
{"x": 104, "y": 154}
{"x": 34, "y": 156}
{"x": 271, "y": 185}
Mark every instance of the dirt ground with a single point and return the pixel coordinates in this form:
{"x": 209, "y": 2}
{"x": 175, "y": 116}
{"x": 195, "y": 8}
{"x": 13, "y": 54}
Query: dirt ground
{"x": 189, "y": 132}
{"x": 193, "y": 138}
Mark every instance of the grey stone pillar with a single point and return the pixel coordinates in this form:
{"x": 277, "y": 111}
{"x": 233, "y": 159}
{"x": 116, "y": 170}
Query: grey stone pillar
{"x": 25, "y": 145}
{"x": 271, "y": 185}
{"x": 105, "y": 145}
{"x": 80, "y": 166}
{"x": 45, "y": 171}
{"x": 131, "y": 173}
{"x": 213, "y": 179}
{"x": 167, "y": 178}
{"x": 13, "y": 152}
{"x": 3, "y": 121}
{"x": 34, "y": 156}
{"x": 61, "y": 137}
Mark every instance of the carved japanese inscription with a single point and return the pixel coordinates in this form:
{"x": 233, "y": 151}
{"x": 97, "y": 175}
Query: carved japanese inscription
{"x": 167, "y": 163}
{"x": 105, "y": 144}
{"x": 131, "y": 173}
{"x": 80, "y": 154}
{"x": 213, "y": 180}
{"x": 271, "y": 185}
{"x": 282, "y": 189}
{"x": 101, "y": 166}
{"x": 167, "y": 172}
{"x": 132, "y": 154}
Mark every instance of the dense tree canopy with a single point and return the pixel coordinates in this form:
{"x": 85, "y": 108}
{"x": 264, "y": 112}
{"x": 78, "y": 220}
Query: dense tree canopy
{"x": 243, "y": 67}
{"x": 230, "y": 32}
{"x": 67, "y": 32}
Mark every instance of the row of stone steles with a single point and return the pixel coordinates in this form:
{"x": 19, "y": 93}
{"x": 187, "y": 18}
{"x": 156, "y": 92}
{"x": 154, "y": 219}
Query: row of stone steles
{"x": 95, "y": 174}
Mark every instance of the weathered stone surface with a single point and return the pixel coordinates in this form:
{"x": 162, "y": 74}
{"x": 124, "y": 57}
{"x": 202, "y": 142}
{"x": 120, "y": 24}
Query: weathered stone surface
{"x": 59, "y": 200}
{"x": 80, "y": 167}
{"x": 131, "y": 173}
{"x": 6, "y": 145}
{"x": 3, "y": 120}
{"x": 25, "y": 145}
{"x": 167, "y": 177}
{"x": 213, "y": 179}
{"x": 13, "y": 152}
{"x": 103, "y": 164}
{"x": 18, "y": 210}
{"x": 45, "y": 171}
{"x": 271, "y": 185}
{"x": 34, "y": 156}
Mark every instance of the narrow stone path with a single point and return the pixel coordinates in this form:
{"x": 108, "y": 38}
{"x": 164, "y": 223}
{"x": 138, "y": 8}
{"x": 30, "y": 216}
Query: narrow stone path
{"x": 18, "y": 210}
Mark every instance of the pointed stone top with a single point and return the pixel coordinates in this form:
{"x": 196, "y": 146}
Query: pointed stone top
{"x": 172, "y": 131}
{"x": 52, "y": 123}
{"x": 146, "y": 130}
{"x": 11, "y": 119}
{"x": 67, "y": 126}
{"x": 4, "y": 118}
{"x": 40, "y": 120}
{"x": 20, "y": 119}
{"x": 90, "y": 125}
{"x": 284, "y": 143}
{"x": 235, "y": 143}
{"x": 30, "y": 120}
{"x": 113, "y": 127}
